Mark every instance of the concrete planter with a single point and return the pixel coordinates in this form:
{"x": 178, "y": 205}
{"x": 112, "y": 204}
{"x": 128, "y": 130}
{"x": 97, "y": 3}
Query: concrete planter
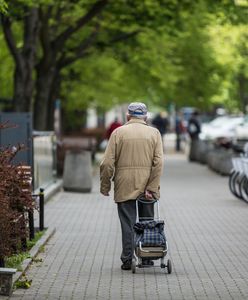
{"x": 78, "y": 172}
{"x": 193, "y": 152}
{"x": 203, "y": 147}
{"x": 6, "y": 281}
{"x": 220, "y": 160}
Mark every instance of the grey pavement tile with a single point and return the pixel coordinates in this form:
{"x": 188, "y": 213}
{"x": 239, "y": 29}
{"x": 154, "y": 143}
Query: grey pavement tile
{"x": 206, "y": 229}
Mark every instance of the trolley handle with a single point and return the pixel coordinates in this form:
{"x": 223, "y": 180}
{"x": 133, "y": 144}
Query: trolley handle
{"x": 146, "y": 201}
{"x": 141, "y": 198}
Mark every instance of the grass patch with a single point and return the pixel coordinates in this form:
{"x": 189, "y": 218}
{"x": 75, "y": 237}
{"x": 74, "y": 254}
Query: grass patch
{"x": 15, "y": 261}
{"x": 37, "y": 236}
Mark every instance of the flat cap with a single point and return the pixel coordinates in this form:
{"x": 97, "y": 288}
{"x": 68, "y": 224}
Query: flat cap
{"x": 137, "y": 109}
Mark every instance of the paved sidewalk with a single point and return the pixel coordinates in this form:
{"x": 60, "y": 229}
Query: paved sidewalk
{"x": 207, "y": 231}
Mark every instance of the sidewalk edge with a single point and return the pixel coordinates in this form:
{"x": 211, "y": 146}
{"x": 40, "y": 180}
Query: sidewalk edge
{"x": 34, "y": 252}
{"x": 51, "y": 190}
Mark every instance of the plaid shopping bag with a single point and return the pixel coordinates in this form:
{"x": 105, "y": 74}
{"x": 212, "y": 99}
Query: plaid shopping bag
{"x": 150, "y": 234}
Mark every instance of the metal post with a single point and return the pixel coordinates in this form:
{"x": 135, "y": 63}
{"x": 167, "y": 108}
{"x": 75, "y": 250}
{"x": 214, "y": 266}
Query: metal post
{"x": 41, "y": 196}
{"x": 2, "y": 264}
{"x": 31, "y": 224}
{"x": 24, "y": 244}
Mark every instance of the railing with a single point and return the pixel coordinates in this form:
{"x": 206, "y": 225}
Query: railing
{"x": 238, "y": 179}
{"x": 44, "y": 149}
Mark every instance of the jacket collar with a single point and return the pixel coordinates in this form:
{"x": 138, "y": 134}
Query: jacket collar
{"x": 136, "y": 120}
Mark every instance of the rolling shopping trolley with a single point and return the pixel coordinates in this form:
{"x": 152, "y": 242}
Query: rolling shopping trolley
{"x": 149, "y": 238}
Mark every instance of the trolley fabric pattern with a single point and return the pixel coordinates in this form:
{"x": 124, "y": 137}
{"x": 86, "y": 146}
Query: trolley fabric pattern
{"x": 150, "y": 234}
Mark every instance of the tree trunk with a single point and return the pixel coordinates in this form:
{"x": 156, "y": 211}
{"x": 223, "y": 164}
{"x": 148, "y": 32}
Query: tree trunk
{"x": 23, "y": 87}
{"x": 243, "y": 82}
{"x": 24, "y": 58}
{"x": 54, "y": 95}
{"x": 19, "y": 99}
{"x": 45, "y": 78}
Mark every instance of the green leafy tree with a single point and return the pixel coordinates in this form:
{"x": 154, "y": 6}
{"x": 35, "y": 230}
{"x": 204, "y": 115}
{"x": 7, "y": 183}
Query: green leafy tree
{"x": 3, "y": 6}
{"x": 6, "y": 74}
{"x": 70, "y": 31}
{"x": 83, "y": 51}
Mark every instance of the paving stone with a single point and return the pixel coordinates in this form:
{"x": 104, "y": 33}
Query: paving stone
{"x": 206, "y": 229}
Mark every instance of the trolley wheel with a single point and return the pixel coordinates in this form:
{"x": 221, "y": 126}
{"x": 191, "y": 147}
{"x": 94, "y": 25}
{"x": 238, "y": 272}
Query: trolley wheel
{"x": 169, "y": 266}
{"x": 133, "y": 266}
{"x": 162, "y": 266}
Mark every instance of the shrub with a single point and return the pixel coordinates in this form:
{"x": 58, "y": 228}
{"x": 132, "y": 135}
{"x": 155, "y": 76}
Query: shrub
{"x": 15, "y": 200}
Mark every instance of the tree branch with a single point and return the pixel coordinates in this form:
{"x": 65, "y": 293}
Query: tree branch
{"x": 80, "y": 50}
{"x": 94, "y": 11}
{"x": 66, "y": 61}
{"x": 31, "y": 27}
{"x": 9, "y": 37}
{"x": 120, "y": 38}
{"x": 44, "y": 31}
{"x": 123, "y": 37}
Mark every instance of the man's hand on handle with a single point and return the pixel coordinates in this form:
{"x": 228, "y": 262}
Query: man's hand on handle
{"x": 148, "y": 195}
{"x": 105, "y": 193}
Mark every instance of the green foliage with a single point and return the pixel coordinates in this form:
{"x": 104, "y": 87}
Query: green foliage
{"x": 6, "y": 71}
{"x": 15, "y": 261}
{"x": 32, "y": 242}
{"x": 23, "y": 283}
{"x": 198, "y": 78}
{"x": 3, "y": 6}
{"x": 230, "y": 45}
{"x": 180, "y": 51}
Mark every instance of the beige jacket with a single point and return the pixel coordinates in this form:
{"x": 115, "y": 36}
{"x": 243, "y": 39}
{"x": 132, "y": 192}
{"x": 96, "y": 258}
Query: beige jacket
{"x": 133, "y": 160}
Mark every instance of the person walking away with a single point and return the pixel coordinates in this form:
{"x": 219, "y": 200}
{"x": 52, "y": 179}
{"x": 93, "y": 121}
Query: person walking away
{"x": 194, "y": 129}
{"x": 115, "y": 124}
{"x": 179, "y": 130}
{"x": 134, "y": 161}
{"x": 161, "y": 123}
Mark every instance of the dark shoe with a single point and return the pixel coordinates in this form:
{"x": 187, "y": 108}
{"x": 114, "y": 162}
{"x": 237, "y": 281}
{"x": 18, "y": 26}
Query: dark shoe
{"x": 147, "y": 262}
{"x": 126, "y": 266}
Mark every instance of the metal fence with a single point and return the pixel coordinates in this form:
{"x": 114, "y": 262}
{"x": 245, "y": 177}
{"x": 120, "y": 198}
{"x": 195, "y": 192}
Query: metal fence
{"x": 40, "y": 147}
{"x": 44, "y": 148}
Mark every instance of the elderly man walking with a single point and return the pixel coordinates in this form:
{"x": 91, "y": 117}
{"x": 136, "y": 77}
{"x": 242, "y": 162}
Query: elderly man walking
{"x": 134, "y": 161}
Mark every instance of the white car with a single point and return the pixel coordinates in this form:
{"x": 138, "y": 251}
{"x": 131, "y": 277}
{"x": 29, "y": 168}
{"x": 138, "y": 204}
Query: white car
{"x": 241, "y": 131}
{"x": 221, "y": 127}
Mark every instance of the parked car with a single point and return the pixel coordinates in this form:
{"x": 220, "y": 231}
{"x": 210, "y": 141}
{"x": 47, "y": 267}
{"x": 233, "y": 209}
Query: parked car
{"x": 221, "y": 127}
{"x": 241, "y": 131}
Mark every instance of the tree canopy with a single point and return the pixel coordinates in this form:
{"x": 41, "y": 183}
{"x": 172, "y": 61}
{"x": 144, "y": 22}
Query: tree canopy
{"x": 100, "y": 53}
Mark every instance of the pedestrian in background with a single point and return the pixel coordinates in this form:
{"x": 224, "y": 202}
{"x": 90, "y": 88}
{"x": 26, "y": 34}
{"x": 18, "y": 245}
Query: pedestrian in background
{"x": 194, "y": 129}
{"x": 115, "y": 124}
{"x": 161, "y": 123}
{"x": 134, "y": 161}
{"x": 179, "y": 130}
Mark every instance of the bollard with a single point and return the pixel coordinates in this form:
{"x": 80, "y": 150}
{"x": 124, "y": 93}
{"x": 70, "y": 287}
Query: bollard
{"x": 41, "y": 197}
{"x": 2, "y": 263}
{"x": 31, "y": 224}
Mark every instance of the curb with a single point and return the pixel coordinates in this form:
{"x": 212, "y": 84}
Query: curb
{"x": 34, "y": 252}
{"x": 51, "y": 189}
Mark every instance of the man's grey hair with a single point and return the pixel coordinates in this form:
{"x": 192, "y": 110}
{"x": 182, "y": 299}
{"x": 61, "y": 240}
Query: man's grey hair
{"x": 137, "y": 110}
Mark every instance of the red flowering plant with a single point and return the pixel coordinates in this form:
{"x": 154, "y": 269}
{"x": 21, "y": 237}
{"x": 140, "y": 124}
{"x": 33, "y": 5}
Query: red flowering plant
{"x": 15, "y": 200}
